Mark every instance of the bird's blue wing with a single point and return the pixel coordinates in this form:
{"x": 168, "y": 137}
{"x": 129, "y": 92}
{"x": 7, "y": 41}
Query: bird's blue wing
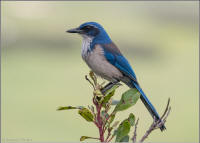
{"x": 114, "y": 56}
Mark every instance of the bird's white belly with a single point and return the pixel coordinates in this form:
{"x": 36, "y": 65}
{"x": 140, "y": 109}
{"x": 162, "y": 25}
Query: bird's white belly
{"x": 99, "y": 65}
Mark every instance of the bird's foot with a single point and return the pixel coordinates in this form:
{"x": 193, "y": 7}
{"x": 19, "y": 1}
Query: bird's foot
{"x": 109, "y": 86}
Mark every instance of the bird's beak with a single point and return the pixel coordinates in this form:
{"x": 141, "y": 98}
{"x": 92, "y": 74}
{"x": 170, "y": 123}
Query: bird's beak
{"x": 74, "y": 30}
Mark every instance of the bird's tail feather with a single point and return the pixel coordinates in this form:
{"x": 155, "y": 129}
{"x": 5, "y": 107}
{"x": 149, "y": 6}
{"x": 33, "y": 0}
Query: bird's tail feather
{"x": 148, "y": 105}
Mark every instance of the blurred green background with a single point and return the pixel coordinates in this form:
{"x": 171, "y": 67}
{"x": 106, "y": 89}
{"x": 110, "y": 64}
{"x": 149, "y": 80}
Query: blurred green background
{"x": 42, "y": 67}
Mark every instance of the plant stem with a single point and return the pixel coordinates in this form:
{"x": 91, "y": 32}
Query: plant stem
{"x": 109, "y": 133}
{"x": 100, "y": 123}
{"x": 110, "y": 139}
{"x": 104, "y": 126}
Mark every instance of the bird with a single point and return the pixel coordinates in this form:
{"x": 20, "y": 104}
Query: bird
{"x": 106, "y": 60}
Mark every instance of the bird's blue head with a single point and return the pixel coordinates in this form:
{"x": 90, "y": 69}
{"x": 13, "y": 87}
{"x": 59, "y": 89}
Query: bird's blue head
{"x": 92, "y": 30}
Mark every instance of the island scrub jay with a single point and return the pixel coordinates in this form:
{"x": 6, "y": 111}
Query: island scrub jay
{"x": 106, "y": 60}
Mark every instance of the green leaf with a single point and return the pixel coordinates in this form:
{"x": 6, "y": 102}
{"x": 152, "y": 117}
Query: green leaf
{"x": 111, "y": 119}
{"x": 86, "y": 114}
{"x": 112, "y": 89}
{"x": 125, "y": 139}
{"x": 86, "y": 137}
{"x": 98, "y": 96}
{"x": 104, "y": 116}
{"x": 93, "y": 77}
{"x": 69, "y": 107}
{"x": 107, "y": 98}
{"x": 128, "y": 99}
{"x": 109, "y": 93}
{"x": 131, "y": 119}
{"x": 122, "y": 130}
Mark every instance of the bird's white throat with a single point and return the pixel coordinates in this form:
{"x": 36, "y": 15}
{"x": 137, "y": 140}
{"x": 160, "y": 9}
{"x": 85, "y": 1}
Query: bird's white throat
{"x": 86, "y": 46}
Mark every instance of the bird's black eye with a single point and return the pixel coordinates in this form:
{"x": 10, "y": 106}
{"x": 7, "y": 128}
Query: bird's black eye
{"x": 90, "y": 30}
{"x": 86, "y": 28}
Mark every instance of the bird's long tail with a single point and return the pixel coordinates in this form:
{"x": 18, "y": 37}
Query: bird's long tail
{"x": 148, "y": 104}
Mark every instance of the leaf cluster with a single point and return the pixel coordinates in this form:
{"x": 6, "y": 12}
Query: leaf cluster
{"x": 101, "y": 115}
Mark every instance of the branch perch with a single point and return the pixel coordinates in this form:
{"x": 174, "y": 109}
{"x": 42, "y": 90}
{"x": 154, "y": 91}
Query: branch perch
{"x": 103, "y": 116}
{"x": 135, "y": 132}
{"x": 156, "y": 124}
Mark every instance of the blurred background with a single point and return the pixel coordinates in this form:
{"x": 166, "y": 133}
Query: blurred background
{"x": 42, "y": 68}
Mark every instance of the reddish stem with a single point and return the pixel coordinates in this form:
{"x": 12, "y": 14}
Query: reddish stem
{"x": 101, "y": 133}
{"x": 104, "y": 126}
{"x": 110, "y": 139}
{"x": 99, "y": 122}
{"x": 109, "y": 133}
